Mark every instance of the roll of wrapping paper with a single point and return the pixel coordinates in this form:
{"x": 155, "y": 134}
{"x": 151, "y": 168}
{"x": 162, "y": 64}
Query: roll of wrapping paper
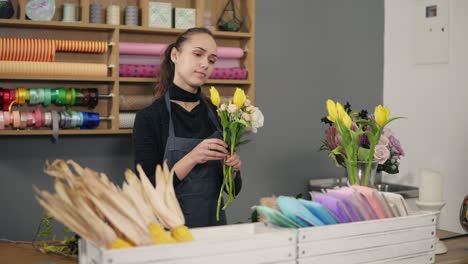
{"x": 53, "y": 68}
{"x": 126, "y": 120}
{"x": 16, "y": 49}
{"x": 140, "y": 59}
{"x": 229, "y": 74}
{"x": 134, "y": 102}
{"x": 158, "y": 49}
{"x": 227, "y": 63}
{"x": 139, "y": 70}
{"x": 81, "y": 46}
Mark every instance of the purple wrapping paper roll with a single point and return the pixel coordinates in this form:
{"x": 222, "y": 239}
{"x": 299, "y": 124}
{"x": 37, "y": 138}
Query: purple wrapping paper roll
{"x": 139, "y": 59}
{"x": 229, "y": 74}
{"x": 137, "y": 48}
{"x": 138, "y": 70}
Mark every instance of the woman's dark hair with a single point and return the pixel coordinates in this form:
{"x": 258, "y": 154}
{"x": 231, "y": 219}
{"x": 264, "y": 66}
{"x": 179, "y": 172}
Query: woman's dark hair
{"x": 166, "y": 74}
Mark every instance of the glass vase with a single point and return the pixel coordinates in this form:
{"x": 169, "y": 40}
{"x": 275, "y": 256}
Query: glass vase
{"x": 361, "y": 172}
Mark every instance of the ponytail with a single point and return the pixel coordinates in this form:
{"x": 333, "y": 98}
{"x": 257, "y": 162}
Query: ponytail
{"x": 166, "y": 73}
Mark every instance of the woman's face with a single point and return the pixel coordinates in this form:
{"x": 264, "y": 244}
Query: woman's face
{"x": 194, "y": 61}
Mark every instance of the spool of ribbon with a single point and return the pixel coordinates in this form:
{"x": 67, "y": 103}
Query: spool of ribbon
{"x": 126, "y": 120}
{"x": 139, "y": 70}
{"x": 113, "y": 15}
{"x": 16, "y": 49}
{"x": 131, "y": 15}
{"x": 53, "y": 68}
{"x": 95, "y": 13}
{"x": 69, "y": 12}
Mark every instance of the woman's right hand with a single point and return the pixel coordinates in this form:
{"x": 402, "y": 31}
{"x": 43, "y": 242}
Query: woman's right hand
{"x": 209, "y": 149}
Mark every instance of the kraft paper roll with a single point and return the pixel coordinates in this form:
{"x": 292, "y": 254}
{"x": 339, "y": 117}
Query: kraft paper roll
{"x": 158, "y": 49}
{"x": 140, "y": 59}
{"x": 229, "y": 74}
{"x": 53, "y": 68}
{"x": 81, "y": 46}
{"x": 126, "y": 120}
{"x": 134, "y": 102}
{"x": 16, "y": 49}
{"x": 227, "y": 63}
{"x": 138, "y": 70}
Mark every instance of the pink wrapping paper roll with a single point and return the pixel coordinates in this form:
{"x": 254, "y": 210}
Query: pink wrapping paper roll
{"x": 229, "y": 74}
{"x": 139, "y": 59}
{"x": 158, "y": 49}
{"x": 227, "y": 63}
{"x": 15, "y": 49}
{"x": 138, "y": 70}
{"x": 53, "y": 68}
{"x": 82, "y": 46}
{"x": 230, "y": 53}
{"x": 136, "y": 48}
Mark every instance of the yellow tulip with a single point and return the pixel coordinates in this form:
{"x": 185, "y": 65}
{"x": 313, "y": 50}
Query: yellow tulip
{"x": 214, "y": 95}
{"x": 340, "y": 109}
{"x": 239, "y": 98}
{"x": 332, "y": 112}
{"x": 346, "y": 120}
{"x": 381, "y": 114}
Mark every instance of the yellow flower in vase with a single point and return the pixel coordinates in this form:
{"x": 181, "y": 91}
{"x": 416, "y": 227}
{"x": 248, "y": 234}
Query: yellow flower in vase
{"x": 381, "y": 114}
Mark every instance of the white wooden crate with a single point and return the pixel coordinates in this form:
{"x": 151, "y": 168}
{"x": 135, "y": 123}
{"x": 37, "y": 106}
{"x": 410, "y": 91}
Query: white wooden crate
{"x": 244, "y": 243}
{"x": 408, "y": 239}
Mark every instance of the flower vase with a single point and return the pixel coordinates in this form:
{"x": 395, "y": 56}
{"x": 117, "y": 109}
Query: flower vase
{"x": 361, "y": 172}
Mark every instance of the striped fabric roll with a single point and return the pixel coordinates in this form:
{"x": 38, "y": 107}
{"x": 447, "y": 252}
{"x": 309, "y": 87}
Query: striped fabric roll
{"x": 53, "y": 68}
{"x": 16, "y": 49}
{"x": 82, "y": 46}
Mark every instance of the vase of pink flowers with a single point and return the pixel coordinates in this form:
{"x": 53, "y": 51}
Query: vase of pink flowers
{"x": 369, "y": 148}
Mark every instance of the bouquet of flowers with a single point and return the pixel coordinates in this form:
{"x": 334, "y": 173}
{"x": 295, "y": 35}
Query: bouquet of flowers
{"x": 359, "y": 137}
{"x": 238, "y": 116}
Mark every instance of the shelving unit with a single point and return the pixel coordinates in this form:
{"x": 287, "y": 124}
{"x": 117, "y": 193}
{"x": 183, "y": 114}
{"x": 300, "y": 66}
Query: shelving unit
{"x": 20, "y": 27}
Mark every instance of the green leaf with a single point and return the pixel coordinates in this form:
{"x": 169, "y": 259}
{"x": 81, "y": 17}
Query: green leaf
{"x": 242, "y": 142}
{"x": 299, "y": 196}
{"x": 363, "y": 153}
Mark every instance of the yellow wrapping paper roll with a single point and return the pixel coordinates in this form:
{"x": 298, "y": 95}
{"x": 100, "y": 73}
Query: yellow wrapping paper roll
{"x": 53, "y": 68}
{"x": 15, "y": 49}
{"x": 81, "y": 46}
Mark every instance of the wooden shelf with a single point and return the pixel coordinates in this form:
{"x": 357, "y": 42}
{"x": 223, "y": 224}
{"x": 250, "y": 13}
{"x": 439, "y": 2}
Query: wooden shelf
{"x": 58, "y": 78}
{"x": 21, "y": 27}
{"x": 145, "y": 30}
{"x": 176, "y": 31}
{"x": 235, "y": 35}
{"x": 56, "y": 25}
{"x": 211, "y": 81}
{"x": 44, "y": 132}
{"x": 137, "y": 80}
{"x": 232, "y": 82}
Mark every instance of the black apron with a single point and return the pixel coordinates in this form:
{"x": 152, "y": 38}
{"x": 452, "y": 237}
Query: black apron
{"x": 199, "y": 190}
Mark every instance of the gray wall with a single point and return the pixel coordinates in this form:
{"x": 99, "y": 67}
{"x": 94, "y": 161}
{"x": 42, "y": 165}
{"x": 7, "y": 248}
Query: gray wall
{"x": 306, "y": 52}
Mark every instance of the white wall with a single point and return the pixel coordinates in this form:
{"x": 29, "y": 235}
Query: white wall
{"x": 434, "y": 98}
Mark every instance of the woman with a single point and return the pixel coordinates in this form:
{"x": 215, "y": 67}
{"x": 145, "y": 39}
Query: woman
{"x": 182, "y": 128}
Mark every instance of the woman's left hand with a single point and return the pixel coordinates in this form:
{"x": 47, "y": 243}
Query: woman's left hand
{"x": 234, "y": 161}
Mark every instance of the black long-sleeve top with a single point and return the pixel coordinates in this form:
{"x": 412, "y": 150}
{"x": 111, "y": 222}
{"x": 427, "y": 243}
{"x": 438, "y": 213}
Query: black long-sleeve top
{"x": 151, "y": 129}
